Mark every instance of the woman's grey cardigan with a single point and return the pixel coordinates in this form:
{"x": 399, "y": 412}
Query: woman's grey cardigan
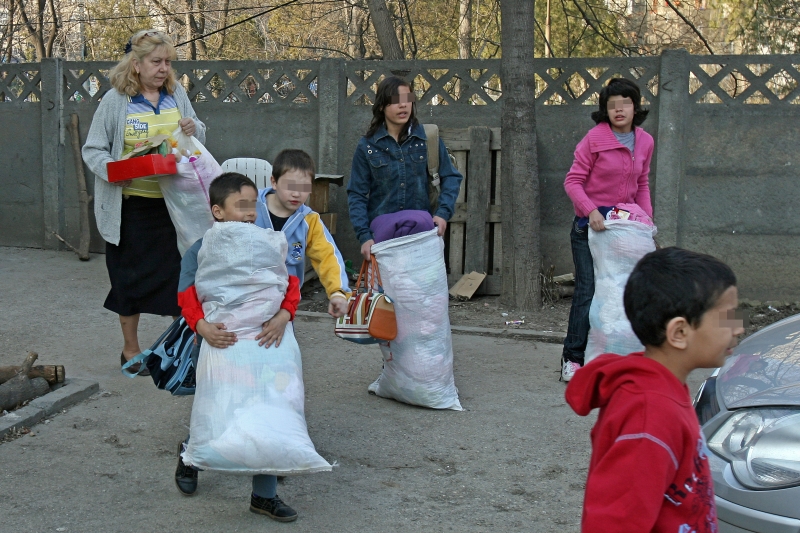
{"x": 105, "y": 142}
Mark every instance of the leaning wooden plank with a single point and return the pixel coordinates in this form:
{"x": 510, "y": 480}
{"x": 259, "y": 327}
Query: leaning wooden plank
{"x": 480, "y": 176}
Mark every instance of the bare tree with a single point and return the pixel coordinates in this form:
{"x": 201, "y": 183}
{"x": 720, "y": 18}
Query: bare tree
{"x": 464, "y": 29}
{"x": 519, "y": 163}
{"x": 384, "y": 28}
{"x": 43, "y": 32}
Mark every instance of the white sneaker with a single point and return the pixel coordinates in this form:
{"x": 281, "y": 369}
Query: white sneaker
{"x": 568, "y": 369}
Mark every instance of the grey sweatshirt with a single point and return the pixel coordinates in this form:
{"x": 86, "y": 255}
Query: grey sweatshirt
{"x": 105, "y": 142}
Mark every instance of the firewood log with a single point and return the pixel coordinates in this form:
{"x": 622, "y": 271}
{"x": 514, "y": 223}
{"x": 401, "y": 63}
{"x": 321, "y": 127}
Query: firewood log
{"x": 52, "y": 373}
{"x": 21, "y": 388}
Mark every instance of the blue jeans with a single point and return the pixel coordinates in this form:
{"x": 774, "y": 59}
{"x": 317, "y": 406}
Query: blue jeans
{"x": 578, "y": 328}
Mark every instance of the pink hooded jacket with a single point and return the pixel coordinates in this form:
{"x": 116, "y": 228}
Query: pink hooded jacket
{"x": 604, "y": 173}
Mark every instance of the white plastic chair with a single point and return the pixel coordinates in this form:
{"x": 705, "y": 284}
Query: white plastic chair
{"x": 258, "y": 170}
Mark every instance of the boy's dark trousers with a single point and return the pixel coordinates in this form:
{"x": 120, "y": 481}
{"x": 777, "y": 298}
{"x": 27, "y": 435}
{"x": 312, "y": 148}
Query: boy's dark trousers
{"x": 578, "y": 328}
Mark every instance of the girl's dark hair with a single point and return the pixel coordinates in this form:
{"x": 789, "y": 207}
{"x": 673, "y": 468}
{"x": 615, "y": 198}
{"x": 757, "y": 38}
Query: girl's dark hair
{"x": 293, "y": 160}
{"x": 225, "y": 185}
{"x": 627, "y": 89}
{"x": 383, "y": 96}
{"x": 670, "y": 283}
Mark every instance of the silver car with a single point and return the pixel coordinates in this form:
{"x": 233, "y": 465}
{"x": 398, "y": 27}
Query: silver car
{"x": 750, "y": 414}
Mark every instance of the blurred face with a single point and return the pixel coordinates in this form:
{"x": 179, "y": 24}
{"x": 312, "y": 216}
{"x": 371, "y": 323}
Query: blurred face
{"x": 292, "y": 190}
{"x": 716, "y": 336}
{"x": 238, "y": 207}
{"x": 153, "y": 69}
{"x": 620, "y": 113}
{"x": 399, "y": 111}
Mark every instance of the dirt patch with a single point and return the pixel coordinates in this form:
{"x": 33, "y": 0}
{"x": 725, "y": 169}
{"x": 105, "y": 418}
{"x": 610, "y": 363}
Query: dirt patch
{"x": 489, "y": 312}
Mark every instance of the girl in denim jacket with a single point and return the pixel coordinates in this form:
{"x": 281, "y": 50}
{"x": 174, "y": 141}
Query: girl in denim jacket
{"x": 389, "y": 170}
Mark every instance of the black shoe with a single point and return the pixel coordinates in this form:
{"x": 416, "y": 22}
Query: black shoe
{"x": 272, "y": 507}
{"x": 135, "y": 368}
{"x": 185, "y": 476}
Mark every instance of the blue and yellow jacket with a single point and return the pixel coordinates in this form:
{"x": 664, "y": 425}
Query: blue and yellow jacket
{"x": 307, "y": 235}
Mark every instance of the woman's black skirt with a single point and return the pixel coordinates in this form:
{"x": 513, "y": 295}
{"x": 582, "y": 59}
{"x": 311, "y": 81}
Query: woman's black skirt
{"x": 145, "y": 267}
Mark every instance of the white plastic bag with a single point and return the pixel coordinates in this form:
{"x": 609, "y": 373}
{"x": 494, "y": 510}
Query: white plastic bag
{"x": 241, "y": 276}
{"x": 418, "y": 364}
{"x": 615, "y": 252}
{"x": 248, "y": 416}
{"x": 186, "y": 193}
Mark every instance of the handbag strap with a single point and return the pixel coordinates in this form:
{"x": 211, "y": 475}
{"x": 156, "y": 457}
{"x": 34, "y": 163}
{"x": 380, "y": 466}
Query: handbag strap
{"x": 141, "y": 358}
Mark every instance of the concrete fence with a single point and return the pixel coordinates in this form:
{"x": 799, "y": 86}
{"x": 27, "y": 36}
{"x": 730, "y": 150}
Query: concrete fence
{"x": 725, "y": 177}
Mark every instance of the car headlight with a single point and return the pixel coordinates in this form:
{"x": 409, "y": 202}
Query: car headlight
{"x": 763, "y": 447}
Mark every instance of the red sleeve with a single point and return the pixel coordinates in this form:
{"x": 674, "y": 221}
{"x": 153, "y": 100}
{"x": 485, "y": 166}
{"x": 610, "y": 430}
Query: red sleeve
{"x": 191, "y": 309}
{"x": 292, "y": 298}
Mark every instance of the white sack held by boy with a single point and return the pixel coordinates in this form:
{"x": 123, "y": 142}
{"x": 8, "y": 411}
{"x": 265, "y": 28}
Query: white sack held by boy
{"x": 418, "y": 364}
{"x": 247, "y": 416}
{"x": 615, "y": 252}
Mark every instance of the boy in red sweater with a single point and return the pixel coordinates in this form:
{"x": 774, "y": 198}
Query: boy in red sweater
{"x": 649, "y": 467}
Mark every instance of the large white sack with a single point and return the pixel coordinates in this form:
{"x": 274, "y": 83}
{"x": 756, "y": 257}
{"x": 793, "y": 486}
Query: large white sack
{"x": 418, "y": 364}
{"x": 247, "y": 416}
{"x": 615, "y": 252}
{"x": 186, "y": 193}
{"x": 241, "y": 276}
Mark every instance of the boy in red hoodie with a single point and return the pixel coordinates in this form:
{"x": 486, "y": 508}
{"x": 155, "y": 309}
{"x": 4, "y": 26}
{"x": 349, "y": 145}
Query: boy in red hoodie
{"x": 649, "y": 466}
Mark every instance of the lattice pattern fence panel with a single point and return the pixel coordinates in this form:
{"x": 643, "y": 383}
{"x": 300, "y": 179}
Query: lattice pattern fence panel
{"x": 446, "y": 82}
{"x": 248, "y": 82}
{"x": 744, "y": 80}
{"x": 20, "y": 82}
{"x": 573, "y": 81}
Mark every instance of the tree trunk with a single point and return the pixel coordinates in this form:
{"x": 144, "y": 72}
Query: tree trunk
{"x": 52, "y": 373}
{"x": 83, "y": 196}
{"x": 384, "y": 28}
{"x": 465, "y": 29}
{"x": 519, "y": 160}
{"x": 21, "y": 388}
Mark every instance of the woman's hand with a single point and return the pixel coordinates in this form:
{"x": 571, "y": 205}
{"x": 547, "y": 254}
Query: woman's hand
{"x": 366, "y": 249}
{"x": 272, "y": 330}
{"x": 188, "y": 126}
{"x": 596, "y": 221}
{"x": 441, "y": 225}
{"x": 126, "y": 183}
{"x": 215, "y": 334}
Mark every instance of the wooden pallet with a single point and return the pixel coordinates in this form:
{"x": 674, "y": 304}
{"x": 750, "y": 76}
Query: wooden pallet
{"x": 475, "y": 232}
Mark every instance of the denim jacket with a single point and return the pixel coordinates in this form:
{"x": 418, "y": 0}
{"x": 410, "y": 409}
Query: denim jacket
{"x": 387, "y": 177}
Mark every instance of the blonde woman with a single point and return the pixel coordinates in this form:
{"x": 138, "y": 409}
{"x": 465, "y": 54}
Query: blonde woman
{"x": 141, "y": 245}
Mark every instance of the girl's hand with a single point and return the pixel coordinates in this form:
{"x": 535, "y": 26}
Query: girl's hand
{"x": 366, "y": 249}
{"x": 441, "y": 225}
{"x": 188, "y": 126}
{"x": 596, "y": 221}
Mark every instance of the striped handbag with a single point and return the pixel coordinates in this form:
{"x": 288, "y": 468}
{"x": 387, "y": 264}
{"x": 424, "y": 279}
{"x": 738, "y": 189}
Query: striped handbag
{"x": 370, "y": 313}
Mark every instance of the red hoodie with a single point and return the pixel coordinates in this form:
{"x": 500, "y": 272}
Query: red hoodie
{"x": 649, "y": 467}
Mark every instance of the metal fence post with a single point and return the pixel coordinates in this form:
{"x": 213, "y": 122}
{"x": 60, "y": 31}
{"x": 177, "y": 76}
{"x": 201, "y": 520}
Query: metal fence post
{"x": 673, "y": 99}
{"x": 52, "y": 108}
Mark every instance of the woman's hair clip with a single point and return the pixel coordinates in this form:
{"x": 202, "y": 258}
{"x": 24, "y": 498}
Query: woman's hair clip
{"x": 128, "y": 47}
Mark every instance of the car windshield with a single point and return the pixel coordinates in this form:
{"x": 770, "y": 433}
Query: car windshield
{"x": 765, "y": 368}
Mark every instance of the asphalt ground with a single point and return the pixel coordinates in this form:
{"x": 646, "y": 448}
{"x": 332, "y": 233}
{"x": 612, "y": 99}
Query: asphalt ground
{"x": 514, "y": 460}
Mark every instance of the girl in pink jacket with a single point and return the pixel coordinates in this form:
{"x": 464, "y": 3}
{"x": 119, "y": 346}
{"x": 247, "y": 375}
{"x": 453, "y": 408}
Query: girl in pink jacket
{"x": 611, "y": 167}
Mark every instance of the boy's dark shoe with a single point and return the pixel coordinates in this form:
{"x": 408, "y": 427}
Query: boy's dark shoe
{"x": 185, "y": 476}
{"x": 273, "y": 508}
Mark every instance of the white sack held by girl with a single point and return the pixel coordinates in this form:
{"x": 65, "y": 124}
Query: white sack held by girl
{"x": 248, "y": 413}
{"x": 418, "y": 364}
{"x": 186, "y": 193}
{"x": 615, "y": 252}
